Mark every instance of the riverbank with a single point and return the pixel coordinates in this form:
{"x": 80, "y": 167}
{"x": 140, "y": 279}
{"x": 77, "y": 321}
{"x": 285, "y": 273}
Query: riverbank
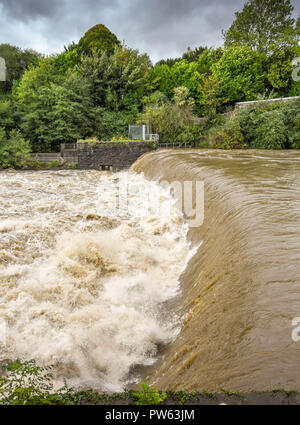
{"x": 275, "y": 397}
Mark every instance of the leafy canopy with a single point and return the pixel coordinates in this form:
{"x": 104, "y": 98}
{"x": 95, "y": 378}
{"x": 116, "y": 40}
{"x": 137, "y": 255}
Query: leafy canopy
{"x": 17, "y": 61}
{"x": 98, "y": 38}
{"x": 240, "y": 71}
{"x": 263, "y": 24}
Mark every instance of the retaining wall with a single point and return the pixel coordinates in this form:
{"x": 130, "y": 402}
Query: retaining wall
{"x": 110, "y": 155}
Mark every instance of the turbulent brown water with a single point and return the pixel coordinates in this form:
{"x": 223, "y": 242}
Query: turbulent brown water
{"x": 110, "y": 295}
{"x": 82, "y": 283}
{"x": 242, "y": 288}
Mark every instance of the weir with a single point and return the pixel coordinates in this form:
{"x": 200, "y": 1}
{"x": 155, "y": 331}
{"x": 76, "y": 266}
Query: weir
{"x": 111, "y": 295}
{"x": 241, "y": 290}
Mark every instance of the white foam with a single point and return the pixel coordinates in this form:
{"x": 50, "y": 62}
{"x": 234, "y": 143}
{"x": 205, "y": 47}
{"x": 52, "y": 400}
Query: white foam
{"x": 81, "y": 283}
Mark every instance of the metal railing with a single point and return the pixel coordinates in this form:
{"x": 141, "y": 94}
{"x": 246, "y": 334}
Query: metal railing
{"x": 176, "y": 145}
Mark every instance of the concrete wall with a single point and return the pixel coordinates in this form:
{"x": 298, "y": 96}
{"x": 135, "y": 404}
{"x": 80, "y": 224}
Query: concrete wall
{"x": 110, "y": 155}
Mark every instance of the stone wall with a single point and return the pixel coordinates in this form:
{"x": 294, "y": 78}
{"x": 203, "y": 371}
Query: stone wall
{"x": 110, "y": 155}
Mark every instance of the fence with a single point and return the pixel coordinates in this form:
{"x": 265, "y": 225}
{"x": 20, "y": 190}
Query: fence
{"x": 176, "y": 145}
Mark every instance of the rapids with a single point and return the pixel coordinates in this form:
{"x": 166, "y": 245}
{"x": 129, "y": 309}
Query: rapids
{"x": 113, "y": 286}
{"x": 84, "y": 280}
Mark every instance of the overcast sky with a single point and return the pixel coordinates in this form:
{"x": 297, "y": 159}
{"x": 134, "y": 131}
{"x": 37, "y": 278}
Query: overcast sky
{"x": 162, "y": 28}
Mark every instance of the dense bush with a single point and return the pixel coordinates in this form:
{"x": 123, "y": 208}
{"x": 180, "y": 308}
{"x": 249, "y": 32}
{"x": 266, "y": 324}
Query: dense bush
{"x": 241, "y": 73}
{"x": 173, "y": 121}
{"x": 270, "y": 132}
{"x": 264, "y": 126}
{"x": 55, "y": 112}
{"x": 7, "y": 115}
{"x": 112, "y": 124}
{"x": 14, "y": 150}
{"x": 227, "y": 135}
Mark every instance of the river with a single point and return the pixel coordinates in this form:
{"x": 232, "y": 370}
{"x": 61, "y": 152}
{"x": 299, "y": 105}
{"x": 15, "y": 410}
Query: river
{"x": 111, "y": 292}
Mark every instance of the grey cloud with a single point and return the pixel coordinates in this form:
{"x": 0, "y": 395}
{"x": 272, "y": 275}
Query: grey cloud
{"x": 30, "y": 9}
{"x": 162, "y": 28}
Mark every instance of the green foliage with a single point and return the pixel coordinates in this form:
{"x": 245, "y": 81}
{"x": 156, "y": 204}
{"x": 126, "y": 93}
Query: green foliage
{"x": 240, "y": 71}
{"x": 160, "y": 79}
{"x": 182, "y": 97}
{"x": 212, "y": 100}
{"x": 193, "y": 55}
{"x": 227, "y": 136}
{"x": 280, "y": 69}
{"x": 113, "y": 124}
{"x": 294, "y": 89}
{"x": 182, "y": 74}
{"x": 117, "y": 80}
{"x": 43, "y": 75}
{"x": 25, "y": 383}
{"x": 67, "y": 61}
{"x": 98, "y": 38}
{"x": 172, "y": 121}
{"x": 73, "y": 166}
{"x": 209, "y": 57}
{"x": 7, "y": 115}
{"x": 263, "y": 126}
{"x": 14, "y": 150}
{"x": 17, "y": 61}
{"x": 148, "y": 396}
{"x": 270, "y": 131}
{"x": 263, "y": 24}
{"x": 97, "y": 87}
{"x": 29, "y": 384}
{"x": 54, "y": 113}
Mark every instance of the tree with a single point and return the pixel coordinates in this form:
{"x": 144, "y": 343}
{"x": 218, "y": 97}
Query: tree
{"x": 173, "y": 121}
{"x": 98, "y": 38}
{"x": 14, "y": 150}
{"x": 212, "y": 100}
{"x": 44, "y": 74}
{"x": 208, "y": 57}
{"x": 7, "y": 115}
{"x": 263, "y": 24}
{"x": 117, "y": 79}
{"x": 192, "y": 55}
{"x": 241, "y": 73}
{"x": 55, "y": 112}
{"x": 17, "y": 61}
{"x": 169, "y": 61}
{"x": 182, "y": 74}
{"x": 280, "y": 69}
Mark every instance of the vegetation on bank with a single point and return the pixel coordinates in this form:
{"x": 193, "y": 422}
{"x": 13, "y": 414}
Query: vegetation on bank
{"x": 29, "y": 384}
{"x": 263, "y": 126}
{"x": 95, "y": 88}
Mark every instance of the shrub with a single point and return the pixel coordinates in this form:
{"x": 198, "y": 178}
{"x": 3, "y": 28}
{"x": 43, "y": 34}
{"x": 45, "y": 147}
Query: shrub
{"x": 294, "y": 136}
{"x": 29, "y": 384}
{"x": 7, "y": 114}
{"x": 25, "y": 383}
{"x": 113, "y": 124}
{"x": 14, "y": 150}
{"x": 263, "y": 126}
{"x": 227, "y": 136}
{"x": 148, "y": 395}
{"x": 270, "y": 132}
{"x": 173, "y": 123}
